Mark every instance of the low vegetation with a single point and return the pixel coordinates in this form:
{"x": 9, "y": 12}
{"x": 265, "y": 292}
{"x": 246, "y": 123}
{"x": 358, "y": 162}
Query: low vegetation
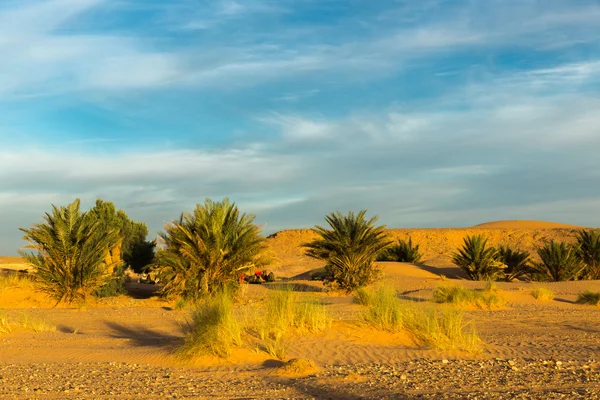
{"x": 478, "y": 260}
{"x": 283, "y": 312}
{"x": 460, "y": 296}
{"x": 542, "y": 293}
{"x": 349, "y": 248}
{"x": 517, "y": 262}
{"x": 559, "y": 262}
{"x": 589, "y": 297}
{"x": 588, "y": 252}
{"x": 403, "y": 251}
{"x": 208, "y": 249}
{"x": 439, "y": 329}
{"x": 213, "y": 328}
{"x": 36, "y": 324}
{"x": 5, "y": 327}
{"x": 15, "y": 281}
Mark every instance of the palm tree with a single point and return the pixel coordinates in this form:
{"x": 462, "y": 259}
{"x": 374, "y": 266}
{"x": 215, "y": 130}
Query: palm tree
{"x": 477, "y": 260}
{"x": 349, "y": 248}
{"x": 516, "y": 261}
{"x": 559, "y": 262}
{"x": 207, "y": 249}
{"x": 403, "y": 251}
{"x": 70, "y": 252}
{"x": 589, "y": 252}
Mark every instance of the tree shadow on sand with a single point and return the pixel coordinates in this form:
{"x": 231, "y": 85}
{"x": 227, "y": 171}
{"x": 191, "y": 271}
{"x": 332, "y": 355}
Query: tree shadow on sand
{"x": 144, "y": 337}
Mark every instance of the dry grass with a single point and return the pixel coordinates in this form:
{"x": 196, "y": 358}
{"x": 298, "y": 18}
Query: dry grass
{"x": 439, "y": 329}
{"x": 542, "y": 293}
{"x": 589, "y": 297}
{"x": 457, "y": 295}
{"x": 36, "y": 324}
{"x": 5, "y": 326}
{"x": 213, "y": 328}
{"x": 15, "y": 281}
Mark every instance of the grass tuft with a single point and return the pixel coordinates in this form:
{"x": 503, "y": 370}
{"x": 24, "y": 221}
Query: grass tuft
{"x": 15, "y": 281}
{"x": 383, "y": 310}
{"x": 542, "y": 293}
{"x": 36, "y": 324}
{"x": 213, "y": 329}
{"x": 457, "y": 295}
{"x": 589, "y": 297}
{"x": 5, "y": 327}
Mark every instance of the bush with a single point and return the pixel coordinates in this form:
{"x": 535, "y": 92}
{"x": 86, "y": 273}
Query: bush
{"x": 516, "y": 261}
{"x": 15, "y": 281}
{"x": 559, "y": 262}
{"x": 402, "y": 252}
{"x": 541, "y": 293}
{"x": 71, "y": 251}
{"x": 588, "y": 252}
{"x": 207, "y": 250}
{"x": 115, "y": 287}
{"x": 477, "y": 260}
{"x": 589, "y": 297}
{"x": 463, "y": 297}
{"x": 349, "y": 248}
{"x": 363, "y": 296}
{"x": 213, "y": 329}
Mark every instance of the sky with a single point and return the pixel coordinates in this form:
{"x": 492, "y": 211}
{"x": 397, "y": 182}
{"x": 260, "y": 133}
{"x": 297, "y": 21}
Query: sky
{"x": 428, "y": 113}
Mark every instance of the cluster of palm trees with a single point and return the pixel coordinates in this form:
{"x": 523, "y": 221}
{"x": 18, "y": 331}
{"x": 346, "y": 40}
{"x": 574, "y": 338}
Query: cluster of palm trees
{"x": 558, "y": 261}
{"x": 76, "y": 253}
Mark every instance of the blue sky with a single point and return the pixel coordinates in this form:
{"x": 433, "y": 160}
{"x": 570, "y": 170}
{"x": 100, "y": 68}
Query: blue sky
{"x": 429, "y": 113}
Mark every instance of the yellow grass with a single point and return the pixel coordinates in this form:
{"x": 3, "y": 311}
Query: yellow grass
{"x": 459, "y": 296}
{"x": 36, "y": 324}
{"x": 15, "y": 281}
{"x": 542, "y": 293}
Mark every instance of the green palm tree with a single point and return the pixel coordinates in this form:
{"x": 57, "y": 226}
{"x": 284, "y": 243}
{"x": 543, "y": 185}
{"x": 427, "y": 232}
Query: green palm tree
{"x": 349, "y": 248}
{"x": 478, "y": 260}
{"x": 589, "y": 252}
{"x": 517, "y": 262}
{"x": 403, "y": 251}
{"x": 70, "y": 252}
{"x": 208, "y": 249}
{"x": 559, "y": 262}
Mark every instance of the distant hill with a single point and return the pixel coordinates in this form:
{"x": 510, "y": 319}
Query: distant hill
{"x": 525, "y": 224}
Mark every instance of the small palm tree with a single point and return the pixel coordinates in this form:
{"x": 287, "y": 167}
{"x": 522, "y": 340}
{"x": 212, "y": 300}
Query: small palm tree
{"x": 402, "y": 252}
{"x": 589, "y": 252}
{"x": 349, "y": 248}
{"x": 206, "y": 250}
{"x": 478, "y": 260}
{"x": 559, "y": 262}
{"x": 516, "y": 261}
{"x": 70, "y": 250}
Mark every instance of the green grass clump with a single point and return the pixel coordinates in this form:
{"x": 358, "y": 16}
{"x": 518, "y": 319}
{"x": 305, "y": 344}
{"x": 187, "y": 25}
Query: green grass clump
{"x": 283, "y": 312}
{"x": 383, "y": 310}
{"x": 460, "y": 296}
{"x": 589, "y": 297}
{"x": 541, "y": 293}
{"x": 441, "y": 329}
{"x": 213, "y": 329}
{"x": 363, "y": 296}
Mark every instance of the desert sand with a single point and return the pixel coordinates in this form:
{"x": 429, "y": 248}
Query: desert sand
{"x": 122, "y": 347}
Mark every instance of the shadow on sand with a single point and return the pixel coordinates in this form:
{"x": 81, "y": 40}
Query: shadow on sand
{"x": 144, "y": 337}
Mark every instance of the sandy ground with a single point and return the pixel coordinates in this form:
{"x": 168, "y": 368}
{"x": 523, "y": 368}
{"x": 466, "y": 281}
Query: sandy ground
{"x": 122, "y": 347}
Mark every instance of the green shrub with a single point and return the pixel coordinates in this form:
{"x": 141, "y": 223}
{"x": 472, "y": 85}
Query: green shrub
{"x": 559, "y": 262}
{"x": 588, "y": 252}
{"x": 540, "y": 293}
{"x": 115, "y": 286}
{"x": 402, "y": 252}
{"x": 479, "y": 261}
{"x": 460, "y": 296}
{"x": 517, "y": 262}
{"x": 589, "y": 297}
{"x": 208, "y": 249}
{"x": 70, "y": 253}
{"x": 213, "y": 329}
{"x": 349, "y": 248}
